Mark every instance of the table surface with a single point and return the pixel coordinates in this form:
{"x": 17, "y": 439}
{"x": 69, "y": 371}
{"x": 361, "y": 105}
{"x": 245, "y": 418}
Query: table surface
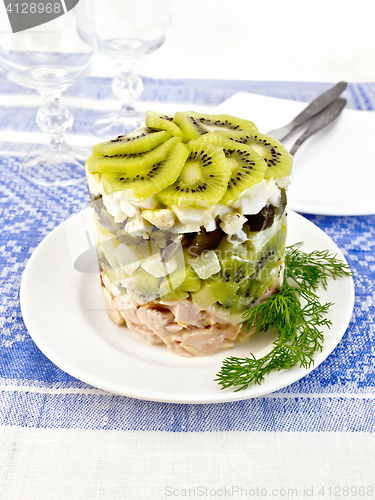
{"x": 59, "y": 437}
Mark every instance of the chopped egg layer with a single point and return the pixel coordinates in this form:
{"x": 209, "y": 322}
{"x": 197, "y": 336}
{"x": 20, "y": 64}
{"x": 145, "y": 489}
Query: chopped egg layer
{"x": 140, "y": 215}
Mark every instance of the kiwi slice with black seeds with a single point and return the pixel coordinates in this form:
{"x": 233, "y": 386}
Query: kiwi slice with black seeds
{"x": 193, "y": 124}
{"x": 149, "y": 177}
{"x": 267, "y": 270}
{"x": 141, "y": 140}
{"x": 236, "y": 270}
{"x": 162, "y": 121}
{"x": 143, "y": 285}
{"x": 247, "y": 167}
{"x": 214, "y": 290}
{"x": 278, "y": 160}
{"x": 236, "y": 262}
{"x": 131, "y": 162}
{"x": 203, "y": 179}
{"x": 253, "y": 273}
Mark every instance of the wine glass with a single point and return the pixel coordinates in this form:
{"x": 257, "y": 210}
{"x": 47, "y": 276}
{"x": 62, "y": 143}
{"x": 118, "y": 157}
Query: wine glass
{"x": 128, "y": 30}
{"x": 49, "y": 58}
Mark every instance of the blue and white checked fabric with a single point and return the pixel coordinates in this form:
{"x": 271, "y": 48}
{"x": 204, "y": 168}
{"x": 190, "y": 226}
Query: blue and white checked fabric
{"x": 338, "y": 396}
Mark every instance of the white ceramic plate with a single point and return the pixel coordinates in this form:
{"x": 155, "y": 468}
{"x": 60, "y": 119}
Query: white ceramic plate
{"x": 65, "y": 314}
{"x": 333, "y": 174}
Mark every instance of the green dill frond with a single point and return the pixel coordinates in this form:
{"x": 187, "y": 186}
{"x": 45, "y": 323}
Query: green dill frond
{"x": 299, "y": 324}
{"x": 311, "y": 269}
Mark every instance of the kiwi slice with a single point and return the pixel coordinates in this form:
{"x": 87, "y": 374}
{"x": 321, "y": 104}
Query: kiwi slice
{"x": 260, "y": 271}
{"x": 214, "y": 290}
{"x": 235, "y": 270}
{"x": 149, "y": 177}
{"x": 251, "y": 290}
{"x": 241, "y": 263}
{"x": 203, "y": 179}
{"x": 162, "y": 121}
{"x": 236, "y": 262}
{"x": 274, "y": 246}
{"x": 130, "y": 162}
{"x": 143, "y": 286}
{"x": 278, "y": 160}
{"x": 193, "y": 125}
{"x": 139, "y": 141}
{"x": 191, "y": 283}
{"x": 247, "y": 167}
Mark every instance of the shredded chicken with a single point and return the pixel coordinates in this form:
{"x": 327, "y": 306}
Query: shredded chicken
{"x": 182, "y": 326}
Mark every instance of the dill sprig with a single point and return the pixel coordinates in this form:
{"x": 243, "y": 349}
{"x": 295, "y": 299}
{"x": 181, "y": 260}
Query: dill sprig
{"x": 295, "y": 312}
{"x": 314, "y": 268}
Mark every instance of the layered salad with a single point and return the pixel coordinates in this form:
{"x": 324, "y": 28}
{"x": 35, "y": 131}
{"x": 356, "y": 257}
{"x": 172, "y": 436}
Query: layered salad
{"x": 191, "y": 225}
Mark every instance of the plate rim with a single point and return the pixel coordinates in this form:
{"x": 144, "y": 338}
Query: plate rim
{"x": 223, "y": 396}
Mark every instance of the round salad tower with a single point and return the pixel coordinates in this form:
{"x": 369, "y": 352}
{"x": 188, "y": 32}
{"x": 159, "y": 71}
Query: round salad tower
{"x": 191, "y": 225}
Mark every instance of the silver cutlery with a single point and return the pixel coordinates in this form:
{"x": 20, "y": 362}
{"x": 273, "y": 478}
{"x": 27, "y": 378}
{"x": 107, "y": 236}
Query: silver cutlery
{"x": 315, "y": 107}
{"x": 327, "y": 116}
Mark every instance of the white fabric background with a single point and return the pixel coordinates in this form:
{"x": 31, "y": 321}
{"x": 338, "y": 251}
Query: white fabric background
{"x": 70, "y": 464}
{"x": 288, "y": 40}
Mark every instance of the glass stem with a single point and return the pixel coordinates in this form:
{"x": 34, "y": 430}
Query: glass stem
{"x": 54, "y": 119}
{"x": 127, "y": 86}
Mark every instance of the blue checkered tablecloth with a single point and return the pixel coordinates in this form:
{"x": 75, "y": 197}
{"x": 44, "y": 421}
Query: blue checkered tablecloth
{"x": 338, "y": 396}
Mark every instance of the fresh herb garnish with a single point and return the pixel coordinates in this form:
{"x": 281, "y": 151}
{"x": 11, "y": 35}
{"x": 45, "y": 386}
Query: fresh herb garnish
{"x": 299, "y": 324}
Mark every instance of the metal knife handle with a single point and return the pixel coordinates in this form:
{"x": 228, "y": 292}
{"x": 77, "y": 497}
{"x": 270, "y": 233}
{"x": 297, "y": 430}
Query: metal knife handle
{"x": 315, "y": 107}
{"x": 327, "y": 116}
{"x": 318, "y": 104}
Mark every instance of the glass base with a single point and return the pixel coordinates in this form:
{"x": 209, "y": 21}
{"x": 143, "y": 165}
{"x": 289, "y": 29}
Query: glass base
{"x": 55, "y": 165}
{"x": 118, "y": 123}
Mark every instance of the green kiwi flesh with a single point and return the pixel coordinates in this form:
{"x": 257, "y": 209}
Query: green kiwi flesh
{"x": 160, "y": 121}
{"x": 139, "y": 141}
{"x": 193, "y": 124}
{"x": 150, "y": 177}
{"x": 191, "y": 283}
{"x": 131, "y": 162}
{"x": 244, "y": 275}
{"x": 202, "y": 181}
{"x": 253, "y": 274}
{"x": 278, "y": 160}
{"x": 247, "y": 167}
{"x": 214, "y": 290}
{"x": 250, "y": 291}
{"x": 143, "y": 285}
